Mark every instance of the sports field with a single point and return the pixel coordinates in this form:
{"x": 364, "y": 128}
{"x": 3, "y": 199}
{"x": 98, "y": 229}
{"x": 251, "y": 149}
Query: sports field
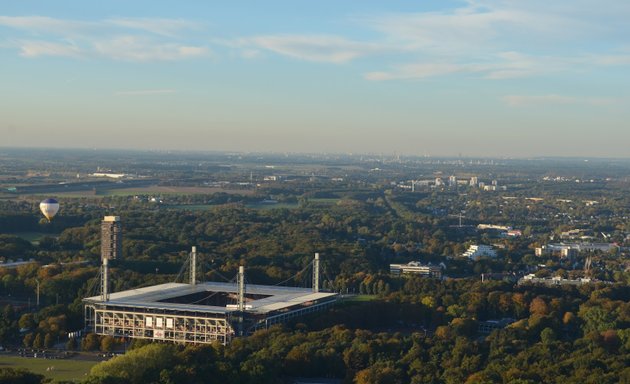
{"x": 55, "y": 369}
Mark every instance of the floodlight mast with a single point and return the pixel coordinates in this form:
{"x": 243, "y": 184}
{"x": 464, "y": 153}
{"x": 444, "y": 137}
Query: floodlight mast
{"x": 316, "y": 273}
{"x": 241, "y": 298}
{"x": 105, "y": 280}
{"x": 193, "y": 266}
{"x": 241, "y": 288}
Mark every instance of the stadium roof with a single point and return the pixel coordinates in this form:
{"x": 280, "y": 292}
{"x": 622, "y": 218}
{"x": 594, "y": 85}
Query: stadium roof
{"x": 152, "y": 297}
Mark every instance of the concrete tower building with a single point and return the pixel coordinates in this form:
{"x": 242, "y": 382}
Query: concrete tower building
{"x": 111, "y": 238}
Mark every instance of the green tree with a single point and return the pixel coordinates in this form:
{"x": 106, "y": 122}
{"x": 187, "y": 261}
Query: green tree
{"x": 142, "y": 365}
{"x": 49, "y": 340}
{"x": 28, "y": 340}
{"x": 38, "y": 342}
{"x": 90, "y": 342}
{"x": 547, "y": 336}
{"x": 107, "y": 343}
{"x": 379, "y": 373}
{"x": 27, "y": 321}
{"x": 595, "y": 318}
{"x": 19, "y": 375}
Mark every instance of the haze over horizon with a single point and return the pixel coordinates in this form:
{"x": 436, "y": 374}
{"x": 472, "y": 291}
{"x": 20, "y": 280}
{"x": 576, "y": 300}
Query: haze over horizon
{"x": 442, "y": 78}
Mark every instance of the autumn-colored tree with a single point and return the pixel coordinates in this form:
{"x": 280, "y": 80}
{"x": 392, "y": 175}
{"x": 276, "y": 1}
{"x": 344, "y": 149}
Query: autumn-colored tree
{"x": 38, "y": 341}
{"x": 539, "y": 307}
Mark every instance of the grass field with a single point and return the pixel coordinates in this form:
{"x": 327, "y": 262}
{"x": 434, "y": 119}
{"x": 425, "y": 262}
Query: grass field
{"x": 74, "y": 370}
{"x": 33, "y": 237}
{"x": 152, "y": 190}
{"x": 324, "y": 201}
{"x": 318, "y": 201}
{"x": 272, "y": 206}
{"x": 361, "y": 298}
{"x": 158, "y": 190}
{"x": 193, "y": 207}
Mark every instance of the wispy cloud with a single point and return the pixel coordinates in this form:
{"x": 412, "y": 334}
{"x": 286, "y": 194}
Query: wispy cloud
{"x": 49, "y": 25}
{"x": 500, "y": 39}
{"x": 554, "y": 99}
{"x": 146, "y": 92}
{"x": 153, "y": 40}
{"x": 320, "y": 48}
{"x": 489, "y": 39}
{"x": 503, "y": 65}
{"x": 34, "y": 48}
{"x": 165, "y": 27}
{"x": 133, "y": 48}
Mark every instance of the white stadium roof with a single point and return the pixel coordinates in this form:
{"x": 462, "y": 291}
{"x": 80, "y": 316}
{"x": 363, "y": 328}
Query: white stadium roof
{"x": 277, "y": 297}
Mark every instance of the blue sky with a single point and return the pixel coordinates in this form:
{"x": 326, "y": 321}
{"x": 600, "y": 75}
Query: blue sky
{"x": 470, "y": 78}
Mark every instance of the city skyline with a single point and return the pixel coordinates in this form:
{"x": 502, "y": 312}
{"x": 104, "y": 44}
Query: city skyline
{"x": 441, "y": 78}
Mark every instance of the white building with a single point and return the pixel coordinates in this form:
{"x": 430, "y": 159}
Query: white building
{"x": 504, "y": 228}
{"x": 572, "y": 249}
{"x": 110, "y": 175}
{"x": 552, "y": 281}
{"x": 474, "y": 181}
{"x": 474, "y": 252}
{"x": 417, "y": 268}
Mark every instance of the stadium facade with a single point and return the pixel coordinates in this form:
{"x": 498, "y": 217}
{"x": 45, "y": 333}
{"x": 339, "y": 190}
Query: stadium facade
{"x": 199, "y": 312}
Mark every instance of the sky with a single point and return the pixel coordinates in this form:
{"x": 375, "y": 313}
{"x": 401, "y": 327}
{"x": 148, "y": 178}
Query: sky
{"x": 492, "y": 78}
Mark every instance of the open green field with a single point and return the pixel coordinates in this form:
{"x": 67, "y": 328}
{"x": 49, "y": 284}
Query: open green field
{"x": 165, "y": 191}
{"x": 361, "y": 298}
{"x": 264, "y": 206}
{"x": 74, "y": 370}
{"x": 318, "y": 201}
{"x": 33, "y": 237}
{"x": 324, "y": 201}
{"x": 193, "y": 207}
{"x": 151, "y": 190}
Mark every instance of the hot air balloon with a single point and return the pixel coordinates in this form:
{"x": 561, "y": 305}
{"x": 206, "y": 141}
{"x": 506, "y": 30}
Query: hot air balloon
{"x": 49, "y": 208}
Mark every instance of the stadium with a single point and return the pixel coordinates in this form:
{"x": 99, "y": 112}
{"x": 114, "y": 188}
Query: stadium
{"x": 199, "y": 312}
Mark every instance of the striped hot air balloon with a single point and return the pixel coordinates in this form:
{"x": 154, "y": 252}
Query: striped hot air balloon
{"x": 49, "y": 208}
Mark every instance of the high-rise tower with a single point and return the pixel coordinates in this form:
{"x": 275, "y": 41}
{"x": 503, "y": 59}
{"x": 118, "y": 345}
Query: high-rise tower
{"x": 111, "y": 238}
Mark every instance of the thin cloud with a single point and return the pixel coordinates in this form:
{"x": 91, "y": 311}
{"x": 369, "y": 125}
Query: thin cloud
{"x": 146, "y": 92}
{"x": 504, "y": 65}
{"x": 499, "y": 39}
{"x": 133, "y": 48}
{"x": 319, "y": 48}
{"x": 44, "y": 24}
{"x": 553, "y": 99}
{"x": 164, "y": 27}
{"x": 490, "y": 39}
{"x": 611, "y": 60}
{"x": 417, "y": 71}
{"x": 154, "y": 40}
{"x": 34, "y": 48}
